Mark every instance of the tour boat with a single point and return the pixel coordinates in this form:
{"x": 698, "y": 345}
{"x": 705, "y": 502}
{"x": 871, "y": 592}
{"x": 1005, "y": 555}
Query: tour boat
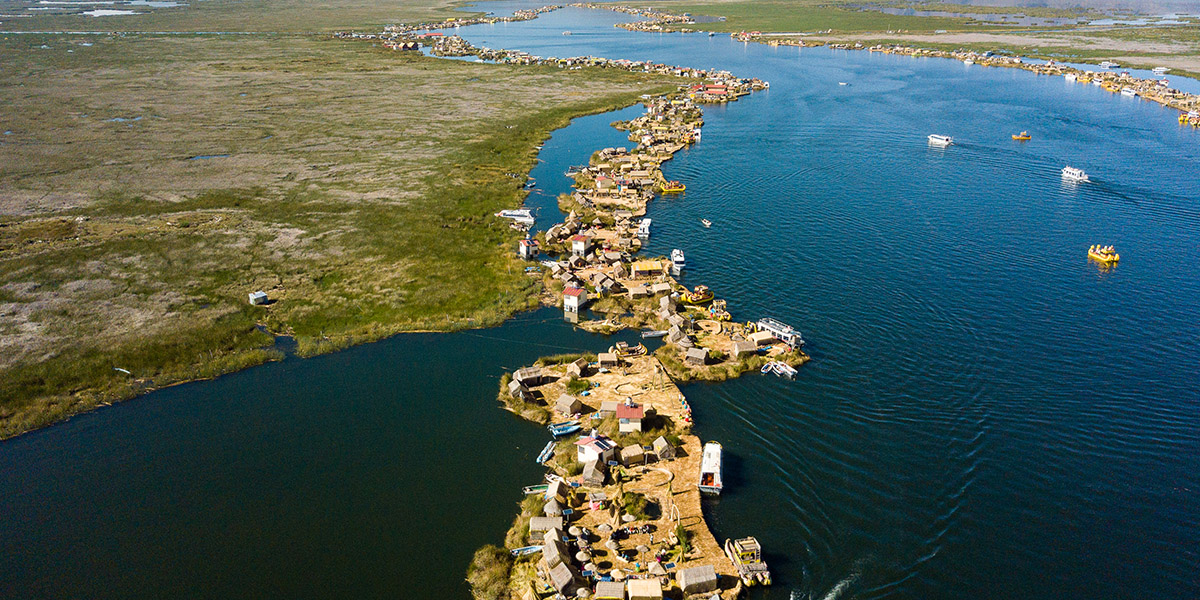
{"x": 940, "y": 140}
{"x": 643, "y": 230}
{"x": 968, "y": 62}
{"x": 701, "y": 295}
{"x": 575, "y": 170}
{"x": 746, "y": 556}
{"x": 1097, "y": 81}
{"x": 672, "y": 187}
{"x": 677, "y": 258}
{"x": 706, "y": 222}
{"x": 624, "y": 349}
{"x": 1023, "y": 136}
{"x": 1108, "y": 64}
{"x": 1160, "y": 71}
{"x": 520, "y": 215}
{"x": 781, "y": 331}
{"x": 564, "y": 428}
{"x": 843, "y": 83}
{"x": 1104, "y": 254}
{"x": 1071, "y": 76}
{"x": 1128, "y": 91}
{"x": 710, "y": 469}
{"x": 1072, "y": 174}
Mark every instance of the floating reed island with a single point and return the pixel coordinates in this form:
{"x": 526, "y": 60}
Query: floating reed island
{"x": 620, "y": 515}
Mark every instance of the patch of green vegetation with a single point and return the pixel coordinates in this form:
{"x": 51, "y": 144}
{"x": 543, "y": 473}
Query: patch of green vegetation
{"x": 576, "y": 385}
{"x": 530, "y": 410}
{"x": 562, "y": 359}
{"x": 807, "y": 16}
{"x": 361, "y": 206}
{"x": 488, "y": 573}
{"x": 636, "y": 504}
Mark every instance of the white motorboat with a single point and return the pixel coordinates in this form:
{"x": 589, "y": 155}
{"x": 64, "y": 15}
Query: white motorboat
{"x": 1072, "y": 174}
{"x": 1160, "y": 71}
{"x": 710, "y": 469}
{"x": 520, "y": 215}
{"x": 781, "y": 331}
{"x": 1128, "y": 91}
{"x": 1108, "y": 64}
{"x": 643, "y": 230}
{"x": 940, "y": 141}
{"x": 706, "y": 222}
{"x": 677, "y": 258}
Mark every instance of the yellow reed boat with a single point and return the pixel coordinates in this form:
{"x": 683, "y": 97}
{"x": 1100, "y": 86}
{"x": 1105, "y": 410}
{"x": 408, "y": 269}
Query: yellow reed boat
{"x": 1104, "y": 254}
{"x": 701, "y": 295}
{"x": 671, "y": 187}
{"x": 1022, "y": 137}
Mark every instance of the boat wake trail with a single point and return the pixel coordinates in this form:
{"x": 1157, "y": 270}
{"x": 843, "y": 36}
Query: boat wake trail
{"x": 841, "y": 587}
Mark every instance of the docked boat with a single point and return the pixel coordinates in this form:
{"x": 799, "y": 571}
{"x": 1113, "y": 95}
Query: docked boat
{"x": 968, "y": 62}
{"x": 575, "y": 170}
{"x": 623, "y": 349}
{"x": 654, "y": 333}
{"x": 1104, "y": 254}
{"x": 746, "y": 556}
{"x": 545, "y": 454}
{"x": 1072, "y": 174}
{"x": 718, "y": 311}
{"x": 1108, "y": 64}
{"x": 677, "y": 258}
{"x": 700, "y": 295}
{"x": 710, "y": 469}
{"x": 525, "y": 550}
{"x": 1160, "y": 71}
{"x": 781, "y": 331}
{"x": 1071, "y": 76}
{"x": 518, "y": 215}
{"x": 672, "y": 187}
{"x": 1128, "y": 91}
{"x": 940, "y": 140}
{"x": 1022, "y": 137}
{"x": 536, "y": 489}
{"x": 1097, "y": 81}
{"x": 564, "y": 428}
{"x": 781, "y": 369}
{"x": 706, "y": 222}
{"x": 643, "y": 230}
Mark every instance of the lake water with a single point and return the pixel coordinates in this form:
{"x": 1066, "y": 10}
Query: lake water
{"x": 987, "y": 415}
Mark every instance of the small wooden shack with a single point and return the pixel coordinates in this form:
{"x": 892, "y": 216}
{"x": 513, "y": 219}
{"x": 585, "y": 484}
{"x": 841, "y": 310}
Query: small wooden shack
{"x": 744, "y": 348}
{"x": 696, "y": 357}
{"x": 568, "y": 405}
{"x": 633, "y": 455}
{"x": 578, "y": 368}
{"x": 610, "y": 590}
{"x": 644, "y": 589}
{"x": 663, "y": 448}
{"x": 608, "y": 360}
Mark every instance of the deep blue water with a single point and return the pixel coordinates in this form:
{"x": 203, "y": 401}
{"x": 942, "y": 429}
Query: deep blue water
{"x": 987, "y": 415}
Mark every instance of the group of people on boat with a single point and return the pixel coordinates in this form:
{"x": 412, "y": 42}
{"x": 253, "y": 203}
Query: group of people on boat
{"x": 1104, "y": 253}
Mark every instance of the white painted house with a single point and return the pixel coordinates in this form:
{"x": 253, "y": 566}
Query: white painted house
{"x": 574, "y": 298}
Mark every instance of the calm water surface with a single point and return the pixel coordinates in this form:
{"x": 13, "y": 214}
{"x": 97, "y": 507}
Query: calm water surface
{"x": 987, "y": 415}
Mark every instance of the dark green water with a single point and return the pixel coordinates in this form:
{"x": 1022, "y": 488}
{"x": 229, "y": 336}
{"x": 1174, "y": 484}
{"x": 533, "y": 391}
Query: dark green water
{"x": 370, "y": 473}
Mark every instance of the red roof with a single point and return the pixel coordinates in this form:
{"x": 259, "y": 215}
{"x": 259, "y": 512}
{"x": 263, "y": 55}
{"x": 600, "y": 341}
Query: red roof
{"x": 573, "y": 291}
{"x": 625, "y": 411}
{"x": 579, "y": 238}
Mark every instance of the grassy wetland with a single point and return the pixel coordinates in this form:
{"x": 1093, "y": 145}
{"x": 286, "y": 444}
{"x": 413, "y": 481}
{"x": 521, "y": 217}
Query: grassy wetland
{"x": 149, "y": 182}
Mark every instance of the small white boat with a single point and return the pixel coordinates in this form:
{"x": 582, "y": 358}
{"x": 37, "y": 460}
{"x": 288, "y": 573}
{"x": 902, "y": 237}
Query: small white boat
{"x": 940, "y": 140}
{"x": 1071, "y": 76}
{"x": 566, "y": 33}
{"x": 710, "y": 34}
{"x": 1160, "y": 71}
{"x": 654, "y": 333}
{"x": 710, "y": 469}
{"x": 781, "y": 369}
{"x": 968, "y": 62}
{"x": 843, "y": 83}
{"x": 1108, "y": 64}
{"x": 677, "y": 258}
{"x": 643, "y": 230}
{"x": 1072, "y": 174}
{"x": 1097, "y": 81}
{"x": 1128, "y": 91}
{"x": 706, "y": 222}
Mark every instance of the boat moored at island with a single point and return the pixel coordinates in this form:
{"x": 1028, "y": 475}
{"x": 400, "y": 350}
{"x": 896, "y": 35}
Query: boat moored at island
{"x": 1108, "y": 64}
{"x": 564, "y": 428}
{"x": 1070, "y": 173}
{"x": 672, "y": 187}
{"x": 1128, "y": 91}
{"x": 1104, "y": 254}
{"x": 781, "y": 331}
{"x": 940, "y": 140}
{"x": 1160, "y": 71}
{"x": 643, "y": 230}
{"x": 781, "y": 369}
{"x": 678, "y": 259}
{"x": 710, "y": 469}
{"x": 699, "y": 295}
{"x": 746, "y": 556}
